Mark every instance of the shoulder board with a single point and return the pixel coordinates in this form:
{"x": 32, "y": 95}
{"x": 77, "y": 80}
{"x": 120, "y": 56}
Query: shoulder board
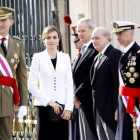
{"x": 138, "y": 51}
{"x": 16, "y": 38}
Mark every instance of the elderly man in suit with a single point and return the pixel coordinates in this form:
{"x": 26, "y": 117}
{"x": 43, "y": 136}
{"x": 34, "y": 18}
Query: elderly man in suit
{"x": 81, "y": 72}
{"x": 12, "y": 60}
{"x": 105, "y": 83}
{"x": 129, "y": 77}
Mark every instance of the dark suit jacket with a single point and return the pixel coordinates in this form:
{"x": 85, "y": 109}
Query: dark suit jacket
{"x": 83, "y": 91}
{"x": 105, "y": 84}
{"x": 125, "y": 126}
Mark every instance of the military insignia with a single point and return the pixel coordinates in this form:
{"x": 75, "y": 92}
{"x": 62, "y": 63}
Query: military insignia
{"x": 15, "y": 56}
{"x": 1, "y": 11}
{"x": 12, "y": 61}
{"x": 17, "y": 45}
{"x": 135, "y": 75}
{"x": 138, "y": 51}
{"x": 134, "y": 63}
{"x": 128, "y": 74}
{"x": 132, "y": 69}
{"x": 115, "y": 25}
{"x": 15, "y": 66}
{"x": 132, "y": 80}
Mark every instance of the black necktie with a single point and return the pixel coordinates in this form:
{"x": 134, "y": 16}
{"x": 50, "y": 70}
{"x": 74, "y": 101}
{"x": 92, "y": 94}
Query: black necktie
{"x": 3, "y": 46}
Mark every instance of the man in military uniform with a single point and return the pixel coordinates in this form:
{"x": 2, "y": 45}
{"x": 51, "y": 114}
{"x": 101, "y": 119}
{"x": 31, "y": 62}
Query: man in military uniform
{"x": 12, "y": 65}
{"x": 129, "y": 77}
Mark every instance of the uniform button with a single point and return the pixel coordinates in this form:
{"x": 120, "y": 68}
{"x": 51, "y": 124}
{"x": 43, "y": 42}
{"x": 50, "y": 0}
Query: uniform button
{"x": 125, "y": 83}
{"x": 54, "y": 83}
{"x": 54, "y": 77}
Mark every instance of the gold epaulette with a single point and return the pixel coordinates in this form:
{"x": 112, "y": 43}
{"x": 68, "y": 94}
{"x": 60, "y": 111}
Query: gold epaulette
{"x": 138, "y": 51}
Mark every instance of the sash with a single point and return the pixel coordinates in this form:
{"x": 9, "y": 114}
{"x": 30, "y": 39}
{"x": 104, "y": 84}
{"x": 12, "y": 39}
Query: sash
{"x": 6, "y": 71}
{"x": 128, "y": 97}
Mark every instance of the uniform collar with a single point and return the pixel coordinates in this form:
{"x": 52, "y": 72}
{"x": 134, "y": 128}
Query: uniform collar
{"x": 128, "y": 47}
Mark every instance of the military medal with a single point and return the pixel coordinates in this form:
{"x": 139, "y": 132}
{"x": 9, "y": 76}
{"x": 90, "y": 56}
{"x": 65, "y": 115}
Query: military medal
{"x": 132, "y": 80}
{"x": 133, "y": 60}
{"x": 132, "y": 69}
{"x": 12, "y": 61}
{"x": 15, "y": 56}
{"x": 135, "y": 75}
{"x": 128, "y": 74}
{"x": 15, "y": 66}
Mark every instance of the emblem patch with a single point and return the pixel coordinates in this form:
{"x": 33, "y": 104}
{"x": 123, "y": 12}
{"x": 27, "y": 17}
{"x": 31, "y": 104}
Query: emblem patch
{"x": 17, "y": 45}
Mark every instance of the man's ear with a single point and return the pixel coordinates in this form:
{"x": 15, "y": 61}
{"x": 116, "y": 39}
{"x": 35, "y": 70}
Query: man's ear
{"x": 12, "y": 21}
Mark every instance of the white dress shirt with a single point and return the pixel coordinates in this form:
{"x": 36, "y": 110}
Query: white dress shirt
{"x": 87, "y": 45}
{"x": 6, "y": 41}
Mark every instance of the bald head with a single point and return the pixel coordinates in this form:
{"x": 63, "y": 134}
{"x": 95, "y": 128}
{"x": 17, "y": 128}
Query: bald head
{"x": 100, "y": 38}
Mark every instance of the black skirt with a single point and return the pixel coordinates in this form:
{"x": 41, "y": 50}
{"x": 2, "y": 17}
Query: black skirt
{"x": 47, "y": 130}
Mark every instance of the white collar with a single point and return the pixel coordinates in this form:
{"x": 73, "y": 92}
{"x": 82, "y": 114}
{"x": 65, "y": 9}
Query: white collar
{"x": 103, "y": 51}
{"x": 128, "y": 47}
{"x": 88, "y": 43}
{"x": 6, "y": 41}
{"x": 7, "y": 37}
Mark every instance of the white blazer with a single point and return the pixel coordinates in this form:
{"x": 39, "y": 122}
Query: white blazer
{"x": 55, "y": 85}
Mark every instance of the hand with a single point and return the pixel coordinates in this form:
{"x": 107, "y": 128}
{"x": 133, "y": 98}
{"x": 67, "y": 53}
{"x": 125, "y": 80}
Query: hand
{"x": 138, "y": 122}
{"x": 66, "y": 114}
{"x": 116, "y": 115}
{"x": 55, "y": 106}
{"x": 22, "y": 112}
{"x": 77, "y": 102}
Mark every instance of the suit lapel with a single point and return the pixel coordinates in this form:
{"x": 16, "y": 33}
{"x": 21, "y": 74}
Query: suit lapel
{"x": 103, "y": 58}
{"x": 88, "y": 51}
{"x": 11, "y": 47}
{"x": 74, "y": 65}
{"x": 59, "y": 60}
{"x": 47, "y": 58}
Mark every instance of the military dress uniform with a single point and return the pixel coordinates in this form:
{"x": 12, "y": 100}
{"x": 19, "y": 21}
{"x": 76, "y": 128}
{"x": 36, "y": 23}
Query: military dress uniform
{"x": 15, "y": 56}
{"x": 129, "y": 77}
{"x": 130, "y": 74}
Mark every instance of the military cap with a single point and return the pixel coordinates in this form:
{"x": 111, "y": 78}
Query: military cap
{"x": 5, "y": 12}
{"x": 74, "y": 29}
{"x": 119, "y": 26}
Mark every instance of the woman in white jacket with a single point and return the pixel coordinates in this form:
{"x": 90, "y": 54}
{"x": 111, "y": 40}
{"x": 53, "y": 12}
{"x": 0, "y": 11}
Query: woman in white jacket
{"x": 53, "y": 69}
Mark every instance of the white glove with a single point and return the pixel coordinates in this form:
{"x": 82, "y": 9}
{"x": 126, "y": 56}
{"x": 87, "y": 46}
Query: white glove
{"x": 22, "y": 112}
{"x": 138, "y": 122}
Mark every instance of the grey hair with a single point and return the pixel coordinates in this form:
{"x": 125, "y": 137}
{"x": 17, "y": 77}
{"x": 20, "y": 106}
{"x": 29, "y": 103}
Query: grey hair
{"x": 88, "y": 21}
{"x": 106, "y": 33}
